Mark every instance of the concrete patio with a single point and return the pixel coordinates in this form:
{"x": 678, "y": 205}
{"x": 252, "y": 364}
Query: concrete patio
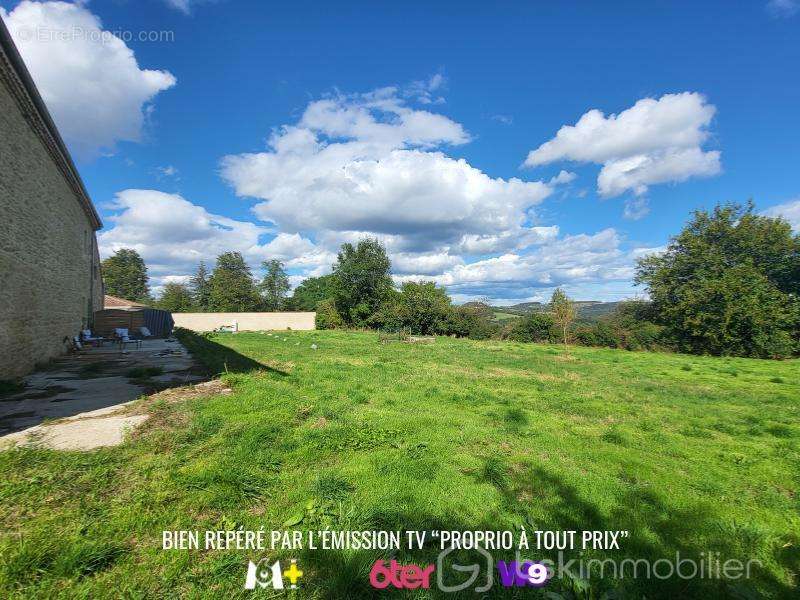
{"x": 96, "y": 378}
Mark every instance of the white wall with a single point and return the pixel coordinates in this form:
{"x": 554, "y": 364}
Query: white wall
{"x": 260, "y": 321}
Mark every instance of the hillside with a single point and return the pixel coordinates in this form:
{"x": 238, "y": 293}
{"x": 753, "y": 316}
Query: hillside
{"x": 588, "y": 310}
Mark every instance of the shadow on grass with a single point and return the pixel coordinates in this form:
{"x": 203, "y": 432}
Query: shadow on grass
{"x": 658, "y": 530}
{"x": 218, "y": 358}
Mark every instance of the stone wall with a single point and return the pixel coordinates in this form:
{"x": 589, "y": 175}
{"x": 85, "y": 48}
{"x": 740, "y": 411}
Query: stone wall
{"x": 261, "y": 321}
{"x": 49, "y": 267}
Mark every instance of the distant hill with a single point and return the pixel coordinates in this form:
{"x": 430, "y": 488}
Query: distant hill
{"x": 588, "y": 310}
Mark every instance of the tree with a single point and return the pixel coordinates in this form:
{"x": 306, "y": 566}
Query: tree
{"x": 125, "y": 276}
{"x": 728, "y": 284}
{"x": 312, "y": 291}
{"x": 563, "y": 311}
{"x": 274, "y": 286}
{"x": 533, "y": 327}
{"x": 231, "y": 287}
{"x": 362, "y": 280}
{"x": 327, "y": 316}
{"x": 470, "y": 321}
{"x": 176, "y": 297}
{"x": 201, "y": 291}
{"x": 424, "y": 306}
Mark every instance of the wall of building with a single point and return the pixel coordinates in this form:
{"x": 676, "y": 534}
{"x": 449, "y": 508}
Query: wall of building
{"x": 49, "y": 268}
{"x": 261, "y": 321}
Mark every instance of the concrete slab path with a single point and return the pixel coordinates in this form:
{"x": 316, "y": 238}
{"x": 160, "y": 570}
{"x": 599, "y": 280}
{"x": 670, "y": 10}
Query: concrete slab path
{"x": 97, "y": 378}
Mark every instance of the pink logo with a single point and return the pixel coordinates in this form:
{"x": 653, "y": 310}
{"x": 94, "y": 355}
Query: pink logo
{"x": 408, "y": 577}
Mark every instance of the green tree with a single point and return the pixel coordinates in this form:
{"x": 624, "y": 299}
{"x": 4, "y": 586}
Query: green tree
{"x": 200, "y": 288}
{"x": 176, "y": 297}
{"x": 327, "y": 316}
{"x": 231, "y": 286}
{"x": 312, "y": 291}
{"x": 362, "y": 280}
{"x": 274, "y": 286}
{"x": 533, "y": 327}
{"x": 728, "y": 284}
{"x": 425, "y": 307}
{"x": 563, "y": 311}
{"x": 125, "y": 276}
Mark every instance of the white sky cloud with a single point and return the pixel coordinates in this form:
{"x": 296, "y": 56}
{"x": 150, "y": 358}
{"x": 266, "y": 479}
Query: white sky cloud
{"x": 173, "y": 235}
{"x": 89, "y": 79}
{"x": 370, "y": 163}
{"x": 654, "y": 141}
{"x": 578, "y": 261}
{"x": 788, "y": 210}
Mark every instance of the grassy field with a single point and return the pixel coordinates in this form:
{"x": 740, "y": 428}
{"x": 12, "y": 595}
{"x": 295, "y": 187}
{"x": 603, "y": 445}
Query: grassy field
{"x": 687, "y": 453}
{"x": 503, "y": 316}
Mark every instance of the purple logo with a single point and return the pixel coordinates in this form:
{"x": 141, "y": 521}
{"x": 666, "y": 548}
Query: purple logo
{"x": 513, "y": 574}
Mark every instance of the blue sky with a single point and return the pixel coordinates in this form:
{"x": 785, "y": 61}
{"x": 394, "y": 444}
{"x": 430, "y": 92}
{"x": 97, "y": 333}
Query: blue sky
{"x": 283, "y": 130}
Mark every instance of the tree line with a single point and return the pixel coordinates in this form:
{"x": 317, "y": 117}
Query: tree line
{"x": 727, "y": 284}
{"x": 229, "y": 287}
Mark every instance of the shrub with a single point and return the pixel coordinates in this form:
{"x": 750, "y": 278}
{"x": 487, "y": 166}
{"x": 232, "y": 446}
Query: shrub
{"x": 469, "y": 321}
{"x": 327, "y": 316}
{"x": 389, "y": 317}
{"x": 599, "y": 334}
{"x": 424, "y": 307}
{"x": 535, "y": 327}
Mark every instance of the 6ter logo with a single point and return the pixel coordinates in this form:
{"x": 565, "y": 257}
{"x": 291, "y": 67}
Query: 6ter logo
{"x": 265, "y": 575}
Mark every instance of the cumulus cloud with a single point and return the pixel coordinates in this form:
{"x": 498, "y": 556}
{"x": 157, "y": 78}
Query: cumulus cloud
{"x": 571, "y": 261}
{"x": 89, "y": 79}
{"x": 172, "y": 234}
{"x": 788, "y": 210}
{"x": 563, "y": 177}
{"x": 370, "y": 163}
{"x": 654, "y": 141}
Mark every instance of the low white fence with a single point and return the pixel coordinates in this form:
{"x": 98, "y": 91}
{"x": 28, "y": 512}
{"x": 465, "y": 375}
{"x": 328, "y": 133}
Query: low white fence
{"x": 253, "y": 321}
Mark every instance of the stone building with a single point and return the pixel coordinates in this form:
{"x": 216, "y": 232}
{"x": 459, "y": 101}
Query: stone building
{"x": 50, "y": 282}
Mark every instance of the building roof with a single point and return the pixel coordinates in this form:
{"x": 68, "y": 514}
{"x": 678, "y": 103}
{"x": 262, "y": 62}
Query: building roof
{"x": 15, "y": 75}
{"x": 114, "y": 302}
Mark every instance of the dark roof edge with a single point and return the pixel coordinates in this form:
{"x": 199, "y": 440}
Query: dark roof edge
{"x": 55, "y": 145}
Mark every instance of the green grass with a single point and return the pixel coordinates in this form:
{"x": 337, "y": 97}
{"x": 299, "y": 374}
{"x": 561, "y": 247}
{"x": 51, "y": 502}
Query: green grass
{"x": 499, "y": 315}
{"x": 454, "y": 435}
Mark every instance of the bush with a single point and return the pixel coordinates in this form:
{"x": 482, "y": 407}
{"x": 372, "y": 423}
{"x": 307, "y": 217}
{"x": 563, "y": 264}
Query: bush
{"x": 327, "y": 316}
{"x": 627, "y": 328}
{"x": 599, "y": 334}
{"x": 423, "y": 307}
{"x": 469, "y": 321}
{"x": 389, "y": 317}
{"x": 535, "y": 327}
